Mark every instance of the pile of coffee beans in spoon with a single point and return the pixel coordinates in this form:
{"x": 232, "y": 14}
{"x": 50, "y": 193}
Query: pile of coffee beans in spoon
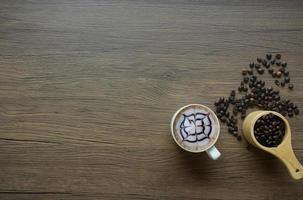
{"x": 253, "y": 93}
{"x": 269, "y": 130}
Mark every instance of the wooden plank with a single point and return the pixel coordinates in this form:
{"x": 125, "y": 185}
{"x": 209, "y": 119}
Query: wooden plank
{"x": 88, "y": 88}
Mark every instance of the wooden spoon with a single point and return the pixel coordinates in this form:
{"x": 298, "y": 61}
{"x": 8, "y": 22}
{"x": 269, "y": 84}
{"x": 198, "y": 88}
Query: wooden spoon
{"x": 283, "y": 151}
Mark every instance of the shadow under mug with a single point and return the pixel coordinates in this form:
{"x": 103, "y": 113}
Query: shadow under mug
{"x": 211, "y": 150}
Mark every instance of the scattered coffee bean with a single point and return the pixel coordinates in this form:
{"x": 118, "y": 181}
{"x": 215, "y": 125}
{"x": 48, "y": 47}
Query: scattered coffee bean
{"x": 287, "y": 79}
{"x": 268, "y": 56}
{"x": 244, "y": 72}
{"x": 243, "y": 115}
{"x": 278, "y": 63}
{"x": 291, "y": 86}
{"x": 286, "y": 73}
{"x": 284, "y": 64}
{"x": 282, "y": 70}
{"x": 264, "y": 63}
{"x": 270, "y": 71}
{"x": 259, "y": 60}
{"x": 277, "y": 82}
{"x": 278, "y": 74}
{"x": 257, "y": 66}
{"x": 261, "y": 71}
{"x": 278, "y": 56}
{"x": 251, "y": 65}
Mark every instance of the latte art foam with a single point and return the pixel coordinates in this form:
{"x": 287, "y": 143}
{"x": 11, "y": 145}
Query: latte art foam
{"x": 195, "y": 128}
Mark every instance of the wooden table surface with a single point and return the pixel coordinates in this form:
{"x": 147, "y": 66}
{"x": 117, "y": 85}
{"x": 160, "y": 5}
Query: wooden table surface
{"x": 88, "y": 88}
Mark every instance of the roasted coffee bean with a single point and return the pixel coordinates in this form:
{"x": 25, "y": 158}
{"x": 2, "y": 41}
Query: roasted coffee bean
{"x": 286, "y": 73}
{"x": 251, "y": 65}
{"x": 264, "y": 63}
{"x": 230, "y": 129}
{"x": 253, "y": 78}
{"x": 277, "y": 82}
{"x": 259, "y": 60}
{"x": 282, "y": 83}
{"x": 239, "y": 137}
{"x": 233, "y": 93}
{"x": 235, "y": 127}
{"x": 261, "y": 71}
{"x": 284, "y": 64}
{"x": 283, "y": 112}
{"x": 289, "y": 109}
{"x": 278, "y": 56}
{"x": 250, "y": 84}
{"x": 245, "y": 79}
{"x": 296, "y": 111}
{"x": 291, "y": 86}
{"x": 278, "y": 74}
{"x": 272, "y": 62}
{"x": 278, "y": 63}
{"x": 231, "y": 99}
{"x": 244, "y": 72}
{"x": 250, "y": 72}
{"x": 287, "y": 79}
{"x": 257, "y": 66}
{"x": 270, "y": 71}
{"x": 235, "y": 111}
{"x": 268, "y": 56}
{"x": 243, "y": 115}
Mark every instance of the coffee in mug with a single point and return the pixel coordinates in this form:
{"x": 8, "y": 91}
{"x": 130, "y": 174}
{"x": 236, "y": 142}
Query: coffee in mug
{"x": 195, "y": 128}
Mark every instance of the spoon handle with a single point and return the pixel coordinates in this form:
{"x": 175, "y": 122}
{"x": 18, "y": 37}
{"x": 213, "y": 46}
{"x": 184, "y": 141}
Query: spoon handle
{"x": 288, "y": 157}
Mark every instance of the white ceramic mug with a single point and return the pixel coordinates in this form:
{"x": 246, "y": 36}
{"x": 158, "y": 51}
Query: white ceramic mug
{"x": 196, "y": 128}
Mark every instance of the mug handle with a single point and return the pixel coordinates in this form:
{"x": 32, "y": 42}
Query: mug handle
{"x": 213, "y": 153}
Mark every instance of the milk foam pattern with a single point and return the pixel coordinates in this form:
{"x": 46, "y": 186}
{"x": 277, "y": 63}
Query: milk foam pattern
{"x": 195, "y": 127}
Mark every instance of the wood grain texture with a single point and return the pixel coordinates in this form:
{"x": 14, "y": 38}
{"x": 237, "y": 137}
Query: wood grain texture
{"x": 88, "y": 88}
